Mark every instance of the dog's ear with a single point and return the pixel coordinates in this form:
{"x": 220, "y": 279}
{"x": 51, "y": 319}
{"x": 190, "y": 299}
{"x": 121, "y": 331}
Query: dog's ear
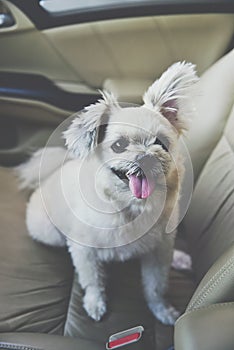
{"x": 87, "y": 129}
{"x": 170, "y": 94}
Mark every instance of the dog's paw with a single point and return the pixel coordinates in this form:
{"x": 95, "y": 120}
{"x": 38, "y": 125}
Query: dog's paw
{"x": 94, "y": 303}
{"x": 181, "y": 260}
{"x": 166, "y": 314}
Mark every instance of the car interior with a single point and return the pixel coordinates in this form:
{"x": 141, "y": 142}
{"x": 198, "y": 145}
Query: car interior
{"x": 55, "y": 57}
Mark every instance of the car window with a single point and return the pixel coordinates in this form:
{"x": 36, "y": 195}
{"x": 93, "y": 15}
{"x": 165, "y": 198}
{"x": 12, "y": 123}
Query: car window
{"x": 58, "y": 6}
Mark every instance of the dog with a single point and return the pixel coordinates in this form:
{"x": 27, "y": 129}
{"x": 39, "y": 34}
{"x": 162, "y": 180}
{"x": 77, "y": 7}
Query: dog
{"x": 110, "y": 194}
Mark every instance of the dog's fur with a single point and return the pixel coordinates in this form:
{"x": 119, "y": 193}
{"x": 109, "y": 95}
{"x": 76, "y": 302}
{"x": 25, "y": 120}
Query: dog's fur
{"x": 112, "y": 219}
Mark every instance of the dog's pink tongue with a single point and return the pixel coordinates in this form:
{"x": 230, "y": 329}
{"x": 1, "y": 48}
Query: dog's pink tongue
{"x": 141, "y": 187}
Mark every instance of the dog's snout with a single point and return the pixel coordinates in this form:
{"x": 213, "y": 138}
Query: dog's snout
{"x": 147, "y": 162}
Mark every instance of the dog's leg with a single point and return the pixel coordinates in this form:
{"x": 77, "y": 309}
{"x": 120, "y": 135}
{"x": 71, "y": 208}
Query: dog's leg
{"x": 91, "y": 276}
{"x": 155, "y": 268}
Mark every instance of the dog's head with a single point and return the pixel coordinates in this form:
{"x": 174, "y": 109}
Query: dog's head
{"x": 136, "y": 145}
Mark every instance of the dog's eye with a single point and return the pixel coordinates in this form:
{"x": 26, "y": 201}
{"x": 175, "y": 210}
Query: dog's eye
{"x": 120, "y": 145}
{"x": 163, "y": 142}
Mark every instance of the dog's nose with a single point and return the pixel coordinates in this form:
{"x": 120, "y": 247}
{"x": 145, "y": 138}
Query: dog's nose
{"x": 146, "y": 162}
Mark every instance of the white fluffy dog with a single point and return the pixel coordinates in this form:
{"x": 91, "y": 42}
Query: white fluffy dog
{"x": 112, "y": 193}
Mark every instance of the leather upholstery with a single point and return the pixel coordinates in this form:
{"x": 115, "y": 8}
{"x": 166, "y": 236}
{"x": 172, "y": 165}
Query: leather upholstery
{"x": 209, "y": 221}
{"x": 218, "y": 284}
{"x": 35, "y": 279}
{"x": 48, "y": 342}
{"x": 209, "y": 328}
{"x": 208, "y": 321}
{"x": 213, "y": 103}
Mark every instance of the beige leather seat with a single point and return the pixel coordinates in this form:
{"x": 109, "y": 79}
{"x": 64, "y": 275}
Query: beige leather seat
{"x": 209, "y": 224}
{"x": 39, "y": 294}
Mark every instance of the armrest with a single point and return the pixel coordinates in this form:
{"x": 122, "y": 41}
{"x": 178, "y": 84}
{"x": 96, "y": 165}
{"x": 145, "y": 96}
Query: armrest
{"x": 208, "y": 328}
{"x": 217, "y": 286}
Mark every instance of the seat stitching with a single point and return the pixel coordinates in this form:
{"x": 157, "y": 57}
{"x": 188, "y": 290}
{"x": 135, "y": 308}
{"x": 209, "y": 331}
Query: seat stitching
{"x": 212, "y": 283}
{"x": 208, "y": 307}
{"x": 212, "y": 287}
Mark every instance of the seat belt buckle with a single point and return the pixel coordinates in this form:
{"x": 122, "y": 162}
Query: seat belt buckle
{"x": 126, "y": 337}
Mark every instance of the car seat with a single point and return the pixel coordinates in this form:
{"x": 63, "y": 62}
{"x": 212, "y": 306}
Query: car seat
{"x": 40, "y": 297}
